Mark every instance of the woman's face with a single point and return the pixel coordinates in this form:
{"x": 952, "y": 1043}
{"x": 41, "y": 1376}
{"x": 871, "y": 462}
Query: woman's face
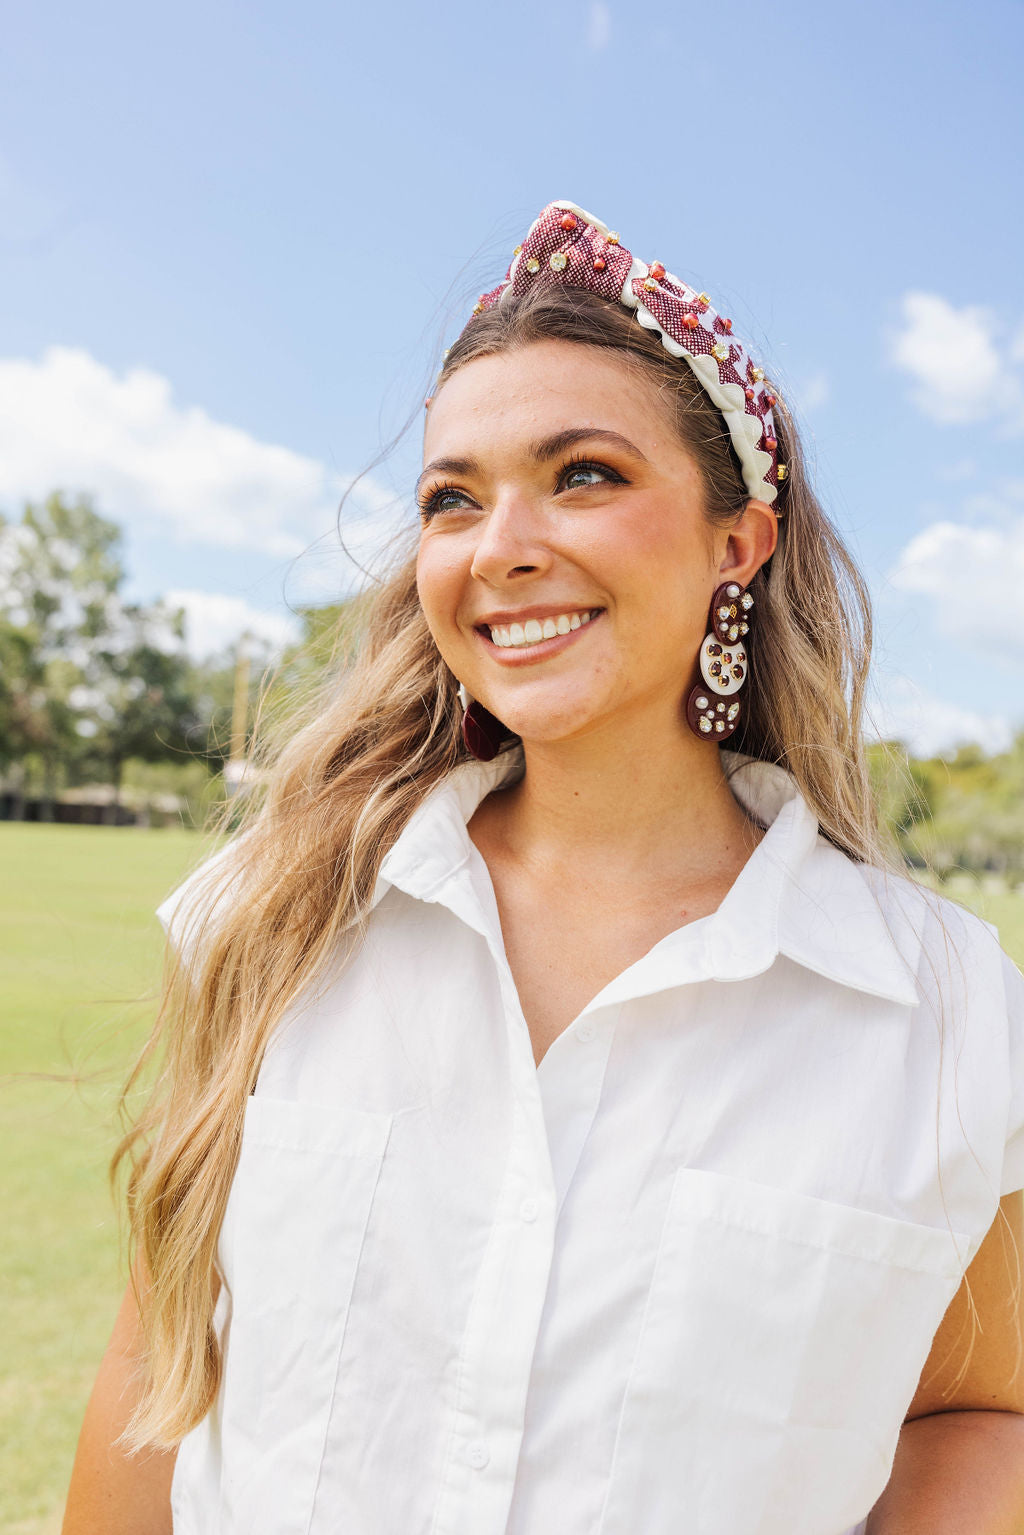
{"x": 565, "y": 566}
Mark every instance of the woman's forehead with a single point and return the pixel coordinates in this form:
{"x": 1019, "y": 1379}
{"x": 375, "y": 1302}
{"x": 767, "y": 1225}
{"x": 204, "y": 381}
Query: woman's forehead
{"x": 536, "y": 390}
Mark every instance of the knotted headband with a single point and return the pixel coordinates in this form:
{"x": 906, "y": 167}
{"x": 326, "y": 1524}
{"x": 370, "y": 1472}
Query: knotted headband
{"x": 570, "y": 248}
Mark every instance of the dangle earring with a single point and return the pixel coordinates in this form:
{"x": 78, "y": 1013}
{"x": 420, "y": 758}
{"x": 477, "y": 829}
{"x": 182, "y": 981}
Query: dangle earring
{"x": 714, "y": 708}
{"x": 483, "y": 734}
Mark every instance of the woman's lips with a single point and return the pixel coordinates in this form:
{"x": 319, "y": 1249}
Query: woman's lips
{"x": 539, "y": 650}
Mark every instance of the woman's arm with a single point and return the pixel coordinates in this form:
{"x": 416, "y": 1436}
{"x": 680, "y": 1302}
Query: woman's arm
{"x": 959, "y": 1466}
{"x": 955, "y": 1473}
{"x": 113, "y": 1493}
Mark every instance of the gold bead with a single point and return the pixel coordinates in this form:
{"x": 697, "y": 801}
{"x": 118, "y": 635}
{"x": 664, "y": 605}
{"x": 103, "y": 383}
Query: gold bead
{"x": 518, "y": 251}
{"x": 533, "y": 265}
{"x": 478, "y": 308}
{"x": 782, "y": 473}
{"x": 758, "y": 375}
{"x": 612, "y": 238}
{"x": 720, "y": 351}
{"x": 702, "y": 298}
{"x": 559, "y": 261}
{"x": 650, "y": 284}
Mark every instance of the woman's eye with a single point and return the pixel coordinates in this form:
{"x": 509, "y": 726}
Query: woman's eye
{"x": 578, "y": 476}
{"x": 444, "y": 499}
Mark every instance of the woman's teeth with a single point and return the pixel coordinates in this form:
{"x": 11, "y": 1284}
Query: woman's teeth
{"x": 536, "y": 629}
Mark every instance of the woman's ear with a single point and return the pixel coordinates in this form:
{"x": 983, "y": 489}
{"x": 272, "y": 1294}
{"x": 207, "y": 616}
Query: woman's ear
{"x": 752, "y": 539}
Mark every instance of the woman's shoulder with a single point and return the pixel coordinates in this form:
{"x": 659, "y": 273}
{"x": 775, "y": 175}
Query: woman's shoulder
{"x": 971, "y": 1003}
{"x": 208, "y": 892}
{"x": 952, "y": 949}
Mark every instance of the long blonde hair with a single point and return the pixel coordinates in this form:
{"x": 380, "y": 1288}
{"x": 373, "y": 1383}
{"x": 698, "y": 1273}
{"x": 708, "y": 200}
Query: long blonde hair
{"x": 381, "y": 734}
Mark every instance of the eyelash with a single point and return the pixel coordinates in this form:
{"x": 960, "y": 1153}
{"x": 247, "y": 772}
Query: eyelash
{"x": 429, "y": 504}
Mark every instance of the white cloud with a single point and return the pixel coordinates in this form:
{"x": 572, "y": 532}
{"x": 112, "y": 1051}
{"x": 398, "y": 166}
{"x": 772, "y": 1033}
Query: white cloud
{"x": 954, "y": 358}
{"x": 69, "y": 422}
{"x": 215, "y": 621}
{"x": 931, "y": 726}
{"x": 971, "y": 574}
{"x": 599, "y": 26}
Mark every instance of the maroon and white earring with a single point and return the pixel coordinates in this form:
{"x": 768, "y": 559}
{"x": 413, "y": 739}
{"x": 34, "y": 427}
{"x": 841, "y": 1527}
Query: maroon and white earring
{"x": 714, "y": 708}
{"x": 483, "y": 734}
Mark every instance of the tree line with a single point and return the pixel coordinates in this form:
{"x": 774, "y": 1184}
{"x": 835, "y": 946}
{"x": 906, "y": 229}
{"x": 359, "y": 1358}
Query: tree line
{"x": 96, "y": 690}
{"x": 90, "y": 683}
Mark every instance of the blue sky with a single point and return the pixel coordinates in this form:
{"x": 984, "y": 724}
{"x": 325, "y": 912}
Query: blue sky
{"x": 233, "y": 238}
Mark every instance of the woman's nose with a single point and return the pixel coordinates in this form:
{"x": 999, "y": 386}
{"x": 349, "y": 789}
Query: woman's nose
{"x": 510, "y": 540}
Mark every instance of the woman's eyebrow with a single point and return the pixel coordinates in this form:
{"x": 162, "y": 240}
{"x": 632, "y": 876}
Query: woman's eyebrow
{"x": 547, "y": 448}
{"x": 560, "y": 442}
{"x": 447, "y": 466}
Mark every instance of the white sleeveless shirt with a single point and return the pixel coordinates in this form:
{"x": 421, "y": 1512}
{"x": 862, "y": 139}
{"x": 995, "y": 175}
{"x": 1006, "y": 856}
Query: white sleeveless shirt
{"x": 682, "y": 1276}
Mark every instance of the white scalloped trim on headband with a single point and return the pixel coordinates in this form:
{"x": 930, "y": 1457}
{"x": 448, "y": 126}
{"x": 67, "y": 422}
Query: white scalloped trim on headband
{"x": 568, "y": 247}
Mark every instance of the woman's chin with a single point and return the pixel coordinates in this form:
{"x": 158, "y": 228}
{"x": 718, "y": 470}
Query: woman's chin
{"x": 549, "y": 728}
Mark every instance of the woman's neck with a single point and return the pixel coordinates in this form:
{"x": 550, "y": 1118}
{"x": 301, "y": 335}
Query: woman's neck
{"x": 630, "y": 809}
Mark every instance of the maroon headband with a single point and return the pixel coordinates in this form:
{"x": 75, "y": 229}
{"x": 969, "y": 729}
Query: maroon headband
{"x": 567, "y": 247}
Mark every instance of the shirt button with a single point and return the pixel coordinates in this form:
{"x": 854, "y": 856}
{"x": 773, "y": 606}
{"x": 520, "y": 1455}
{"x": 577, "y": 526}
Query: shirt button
{"x": 477, "y": 1454}
{"x": 586, "y": 1032}
{"x": 528, "y": 1210}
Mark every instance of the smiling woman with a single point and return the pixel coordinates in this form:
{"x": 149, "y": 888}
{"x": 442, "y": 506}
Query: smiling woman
{"x": 602, "y": 521}
{"x": 557, "y": 1124}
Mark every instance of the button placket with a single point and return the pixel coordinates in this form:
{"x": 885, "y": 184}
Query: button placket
{"x": 501, "y": 1330}
{"x": 571, "y": 1081}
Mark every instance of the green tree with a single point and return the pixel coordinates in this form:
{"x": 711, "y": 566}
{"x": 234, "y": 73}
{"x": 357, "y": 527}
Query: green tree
{"x": 88, "y": 677}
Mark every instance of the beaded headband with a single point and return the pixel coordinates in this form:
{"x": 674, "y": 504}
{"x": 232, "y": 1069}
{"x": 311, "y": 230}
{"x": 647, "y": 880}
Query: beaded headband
{"x": 570, "y": 248}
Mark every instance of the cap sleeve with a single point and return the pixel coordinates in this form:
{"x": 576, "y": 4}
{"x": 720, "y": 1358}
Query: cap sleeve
{"x": 206, "y": 893}
{"x": 1013, "y": 1158}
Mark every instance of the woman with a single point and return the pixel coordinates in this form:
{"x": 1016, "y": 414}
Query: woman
{"x": 566, "y": 1123}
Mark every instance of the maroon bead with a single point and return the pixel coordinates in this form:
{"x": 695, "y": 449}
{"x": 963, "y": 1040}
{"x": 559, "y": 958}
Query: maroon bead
{"x": 599, "y": 263}
{"x": 568, "y": 221}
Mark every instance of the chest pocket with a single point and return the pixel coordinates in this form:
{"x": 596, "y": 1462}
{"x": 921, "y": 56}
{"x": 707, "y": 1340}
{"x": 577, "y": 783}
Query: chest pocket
{"x": 782, "y": 1343}
{"x": 290, "y": 1247}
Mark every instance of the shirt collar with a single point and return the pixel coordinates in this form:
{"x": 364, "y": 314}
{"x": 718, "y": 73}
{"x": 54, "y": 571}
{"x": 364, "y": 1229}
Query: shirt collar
{"x": 434, "y": 844}
{"x": 797, "y": 895}
{"x": 801, "y": 897}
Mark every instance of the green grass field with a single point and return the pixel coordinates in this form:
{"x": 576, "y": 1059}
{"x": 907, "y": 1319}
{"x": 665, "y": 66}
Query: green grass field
{"x": 79, "y": 957}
